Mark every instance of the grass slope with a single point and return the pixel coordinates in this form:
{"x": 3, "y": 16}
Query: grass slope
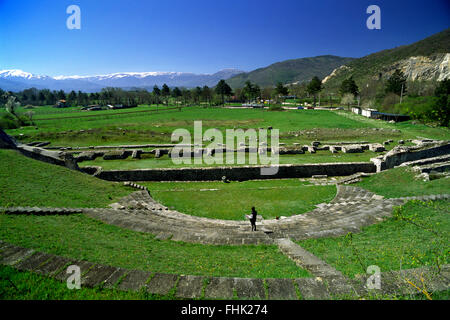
{"x": 28, "y": 182}
{"x": 393, "y": 244}
{"x": 401, "y": 182}
{"x": 80, "y": 237}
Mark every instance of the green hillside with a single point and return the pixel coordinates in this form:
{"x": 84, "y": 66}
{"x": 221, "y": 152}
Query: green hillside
{"x": 371, "y": 65}
{"x": 290, "y": 71}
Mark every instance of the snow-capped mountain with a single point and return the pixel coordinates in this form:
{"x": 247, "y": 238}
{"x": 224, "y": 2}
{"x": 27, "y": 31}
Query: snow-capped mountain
{"x": 10, "y": 74}
{"x": 16, "y": 80}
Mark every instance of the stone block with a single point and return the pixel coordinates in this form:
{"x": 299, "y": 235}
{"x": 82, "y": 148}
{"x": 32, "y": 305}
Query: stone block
{"x": 136, "y": 154}
{"x": 53, "y": 266}
{"x": 97, "y": 275}
{"x": 281, "y": 289}
{"x": 13, "y": 255}
{"x": 190, "y": 287}
{"x": 249, "y": 288}
{"x": 311, "y": 288}
{"x": 33, "y": 262}
{"x": 220, "y": 288}
{"x": 134, "y": 280}
{"x": 352, "y": 149}
{"x": 116, "y": 155}
{"x": 162, "y": 283}
{"x": 377, "y": 147}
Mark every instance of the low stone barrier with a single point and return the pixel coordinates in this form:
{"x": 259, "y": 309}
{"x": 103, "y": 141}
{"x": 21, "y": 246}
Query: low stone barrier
{"x": 54, "y": 157}
{"x": 401, "y": 154}
{"x": 237, "y": 173}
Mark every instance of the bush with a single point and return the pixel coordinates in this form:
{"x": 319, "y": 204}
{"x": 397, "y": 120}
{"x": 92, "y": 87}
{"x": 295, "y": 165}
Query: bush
{"x": 7, "y": 121}
{"x": 275, "y": 108}
{"x": 416, "y": 107}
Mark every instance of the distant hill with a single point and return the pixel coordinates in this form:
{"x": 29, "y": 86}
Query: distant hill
{"x": 290, "y": 71}
{"x": 427, "y": 59}
{"x": 16, "y": 80}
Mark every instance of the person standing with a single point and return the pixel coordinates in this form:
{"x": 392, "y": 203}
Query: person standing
{"x": 253, "y": 219}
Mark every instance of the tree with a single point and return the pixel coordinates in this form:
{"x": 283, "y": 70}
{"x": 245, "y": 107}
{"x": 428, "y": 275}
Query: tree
{"x": 281, "y": 90}
{"x": 186, "y": 95}
{"x": 72, "y": 97}
{"x": 314, "y": 87}
{"x": 251, "y": 91}
{"x": 441, "y": 108}
{"x": 443, "y": 88}
{"x": 41, "y": 98}
{"x": 165, "y": 92}
{"x": 223, "y": 89}
{"x": 176, "y": 93}
{"x": 396, "y": 83}
{"x": 61, "y": 95}
{"x": 157, "y": 94}
{"x": 196, "y": 94}
{"x": 11, "y": 106}
{"x": 349, "y": 86}
{"x": 347, "y": 99}
{"x": 206, "y": 94}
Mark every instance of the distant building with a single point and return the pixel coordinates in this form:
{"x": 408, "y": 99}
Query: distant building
{"x": 61, "y": 104}
{"x": 356, "y": 110}
{"x": 391, "y": 116}
{"x": 368, "y": 113}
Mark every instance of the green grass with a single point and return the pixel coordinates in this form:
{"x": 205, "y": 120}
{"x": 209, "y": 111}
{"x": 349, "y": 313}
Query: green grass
{"x": 233, "y": 200}
{"x": 80, "y": 237}
{"x": 28, "y": 182}
{"x": 149, "y": 161}
{"x": 401, "y": 182}
{"x": 24, "y": 285}
{"x": 158, "y": 126}
{"x": 393, "y": 244}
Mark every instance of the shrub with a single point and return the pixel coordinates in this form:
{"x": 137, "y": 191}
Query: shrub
{"x": 275, "y": 108}
{"x": 7, "y": 121}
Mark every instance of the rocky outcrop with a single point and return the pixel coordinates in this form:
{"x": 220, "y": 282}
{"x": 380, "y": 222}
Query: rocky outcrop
{"x": 435, "y": 67}
{"x": 422, "y": 68}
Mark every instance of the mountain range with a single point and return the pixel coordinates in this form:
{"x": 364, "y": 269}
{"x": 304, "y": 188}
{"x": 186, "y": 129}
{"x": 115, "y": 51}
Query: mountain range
{"x": 427, "y": 59}
{"x": 16, "y": 80}
{"x": 290, "y": 71}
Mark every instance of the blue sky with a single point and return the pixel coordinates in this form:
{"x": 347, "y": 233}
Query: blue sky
{"x": 202, "y": 36}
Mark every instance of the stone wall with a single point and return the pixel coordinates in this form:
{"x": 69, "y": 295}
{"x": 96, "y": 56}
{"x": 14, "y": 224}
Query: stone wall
{"x": 401, "y": 154}
{"x": 237, "y": 173}
{"x": 54, "y": 157}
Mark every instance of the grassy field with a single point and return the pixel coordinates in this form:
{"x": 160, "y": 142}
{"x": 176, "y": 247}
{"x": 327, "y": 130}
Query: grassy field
{"x": 28, "y": 182}
{"x": 233, "y": 200}
{"x": 149, "y": 161}
{"x": 80, "y": 237}
{"x": 421, "y": 238}
{"x": 120, "y": 126}
{"x": 401, "y": 182}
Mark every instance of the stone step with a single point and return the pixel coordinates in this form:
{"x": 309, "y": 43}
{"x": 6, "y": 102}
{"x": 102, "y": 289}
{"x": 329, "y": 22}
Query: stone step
{"x": 305, "y": 259}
